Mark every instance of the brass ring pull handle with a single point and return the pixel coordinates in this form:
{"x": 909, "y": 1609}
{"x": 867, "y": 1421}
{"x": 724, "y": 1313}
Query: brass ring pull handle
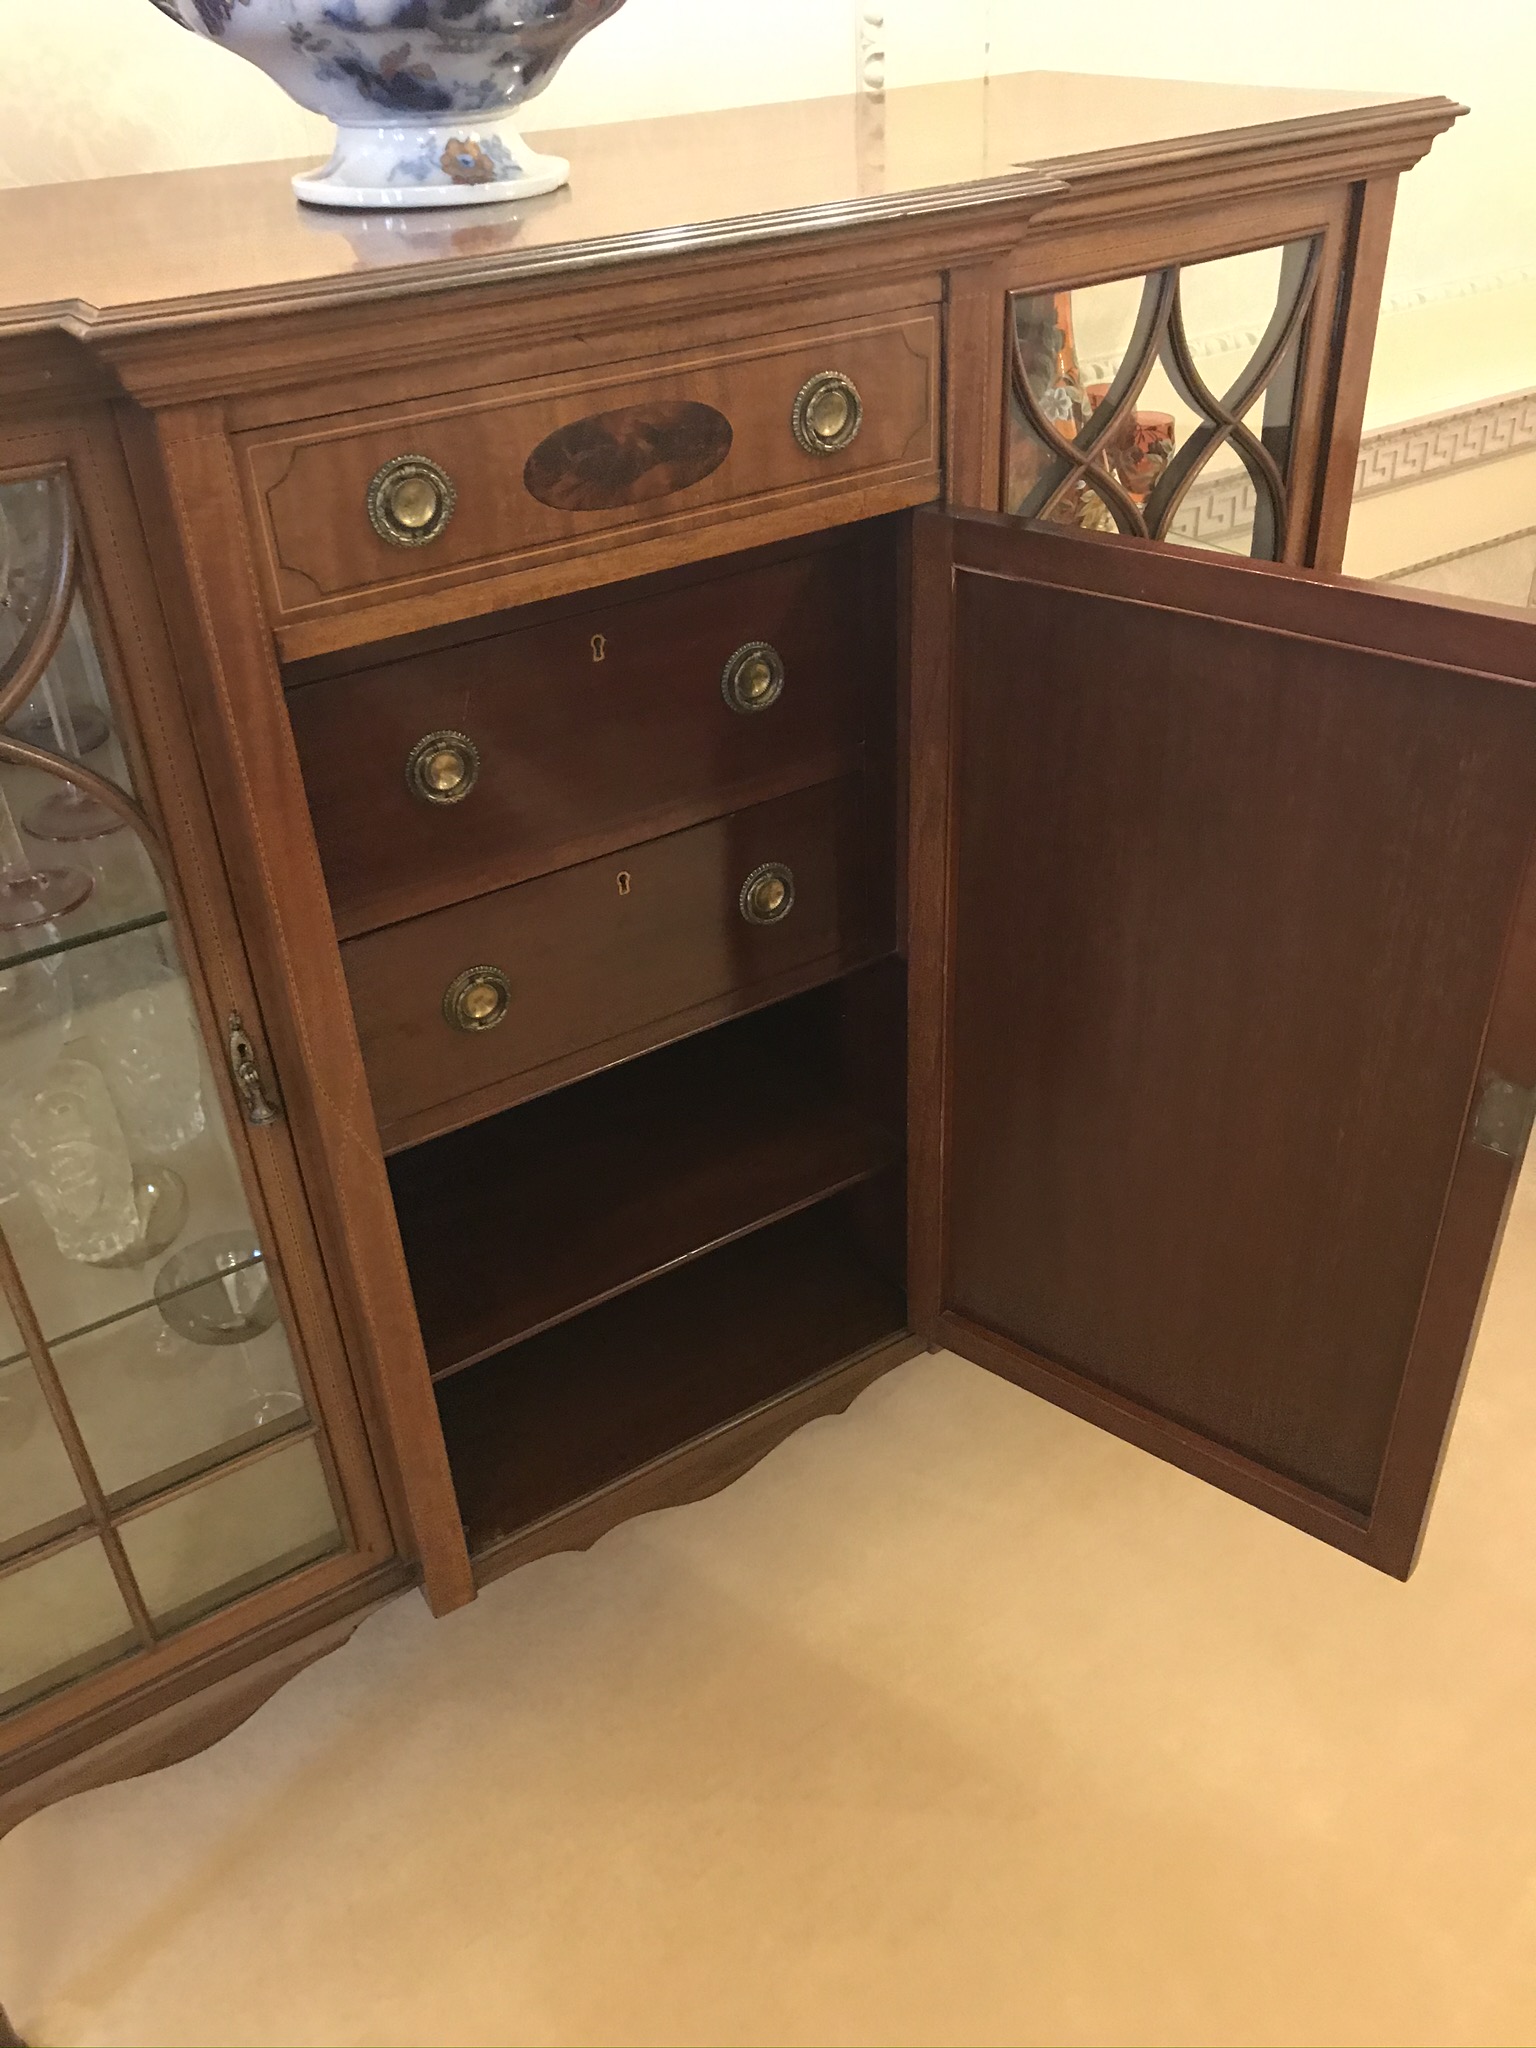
{"x": 768, "y": 893}
{"x": 478, "y": 999}
{"x": 828, "y": 412}
{"x": 754, "y": 677}
{"x": 410, "y": 501}
{"x": 443, "y": 768}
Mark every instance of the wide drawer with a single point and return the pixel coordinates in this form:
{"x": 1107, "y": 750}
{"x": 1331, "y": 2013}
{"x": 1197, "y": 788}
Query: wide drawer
{"x": 401, "y": 499}
{"x": 453, "y": 772}
{"x": 469, "y": 1009}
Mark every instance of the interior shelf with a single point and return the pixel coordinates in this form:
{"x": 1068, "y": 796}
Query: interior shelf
{"x": 557, "y": 1418}
{"x": 523, "y": 1220}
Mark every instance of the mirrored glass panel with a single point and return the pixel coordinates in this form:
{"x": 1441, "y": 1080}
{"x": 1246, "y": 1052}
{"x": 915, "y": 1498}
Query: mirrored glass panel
{"x": 127, "y": 1245}
{"x": 1162, "y": 405}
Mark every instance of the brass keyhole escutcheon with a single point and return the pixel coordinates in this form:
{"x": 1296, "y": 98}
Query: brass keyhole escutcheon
{"x": 410, "y": 501}
{"x": 478, "y": 999}
{"x": 768, "y": 893}
{"x": 443, "y": 768}
{"x": 828, "y": 412}
{"x": 624, "y": 881}
{"x": 599, "y": 647}
{"x": 753, "y": 678}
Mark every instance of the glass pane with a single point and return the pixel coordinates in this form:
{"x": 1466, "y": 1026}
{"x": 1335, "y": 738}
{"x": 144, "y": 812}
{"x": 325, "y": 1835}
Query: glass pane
{"x": 70, "y": 714}
{"x": 155, "y": 1406}
{"x": 232, "y": 1535}
{"x": 28, "y": 539}
{"x": 1228, "y": 304}
{"x": 1082, "y": 506}
{"x": 38, "y": 1491}
{"x": 1045, "y": 358}
{"x": 112, "y": 1151}
{"x": 59, "y": 1619}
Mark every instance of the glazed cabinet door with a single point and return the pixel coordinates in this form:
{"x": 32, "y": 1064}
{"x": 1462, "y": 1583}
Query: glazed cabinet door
{"x": 1202, "y": 385}
{"x": 1163, "y": 404}
{"x": 181, "y": 1462}
{"x": 1224, "y": 984}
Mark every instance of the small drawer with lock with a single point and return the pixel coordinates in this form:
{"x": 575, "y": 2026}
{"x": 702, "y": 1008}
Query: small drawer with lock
{"x": 486, "y": 484}
{"x": 575, "y": 730}
{"x": 470, "y": 1009}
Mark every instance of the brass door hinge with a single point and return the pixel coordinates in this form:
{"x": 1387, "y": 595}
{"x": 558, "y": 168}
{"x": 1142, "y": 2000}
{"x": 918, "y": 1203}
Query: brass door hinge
{"x": 1504, "y": 1118}
{"x": 259, "y": 1104}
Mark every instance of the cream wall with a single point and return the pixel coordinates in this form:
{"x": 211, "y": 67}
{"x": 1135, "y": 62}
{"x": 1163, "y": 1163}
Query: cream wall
{"x": 107, "y": 86}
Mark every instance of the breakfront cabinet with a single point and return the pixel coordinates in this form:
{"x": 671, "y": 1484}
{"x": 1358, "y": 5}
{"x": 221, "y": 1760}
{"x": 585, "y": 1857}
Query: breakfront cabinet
{"x": 615, "y": 815}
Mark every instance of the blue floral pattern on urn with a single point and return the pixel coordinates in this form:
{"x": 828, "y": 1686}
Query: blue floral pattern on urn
{"x": 422, "y": 91}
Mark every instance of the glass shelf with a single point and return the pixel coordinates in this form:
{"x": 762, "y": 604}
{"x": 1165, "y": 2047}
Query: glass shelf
{"x": 125, "y": 894}
{"x": 16, "y": 950}
{"x": 71, "y": 1300}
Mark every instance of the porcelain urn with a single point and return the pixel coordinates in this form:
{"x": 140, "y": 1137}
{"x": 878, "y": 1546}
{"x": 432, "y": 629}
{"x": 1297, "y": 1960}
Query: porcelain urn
{"x": 423, "y": 92}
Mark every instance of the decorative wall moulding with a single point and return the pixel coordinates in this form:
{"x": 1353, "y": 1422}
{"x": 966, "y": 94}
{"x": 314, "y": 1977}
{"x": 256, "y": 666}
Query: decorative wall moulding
{"x": 1220, "y": 506}
{"x": 869, "y": 48}
{"x": 1408, "y": 297}
{"x": 1449, "y": 440}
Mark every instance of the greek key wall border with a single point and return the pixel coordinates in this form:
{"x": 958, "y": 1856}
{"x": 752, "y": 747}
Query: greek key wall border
{"x": 1391, "y": 458}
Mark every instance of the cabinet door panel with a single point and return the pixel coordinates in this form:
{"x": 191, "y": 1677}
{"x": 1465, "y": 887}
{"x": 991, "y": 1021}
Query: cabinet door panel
{"x": 1229, "y": 891}
{"x": 152, "y": 1371}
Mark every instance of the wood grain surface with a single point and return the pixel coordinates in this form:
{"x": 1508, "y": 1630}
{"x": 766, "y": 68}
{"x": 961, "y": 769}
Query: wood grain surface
{"x": 542, "y": 1426}
{"x": 627, "y": 944}
{"x": 625, "y": 457}
{"x": 96, "y": 256}
{"x": 1237, "y": 867}
{"x": 596, "y": 726}
{"x": 522, "y": 1220}
{"x": 308, "y": 486}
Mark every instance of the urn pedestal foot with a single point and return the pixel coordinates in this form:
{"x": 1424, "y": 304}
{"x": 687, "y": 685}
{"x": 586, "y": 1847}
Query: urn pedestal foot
{"x": 452, "y": 163}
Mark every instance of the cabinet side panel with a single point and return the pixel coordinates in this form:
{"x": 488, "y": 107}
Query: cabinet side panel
{"x": 1354, "y": 343}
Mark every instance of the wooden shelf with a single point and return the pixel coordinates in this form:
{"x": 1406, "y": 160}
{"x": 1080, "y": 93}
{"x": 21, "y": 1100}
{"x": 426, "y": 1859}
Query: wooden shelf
{"x": 556, "y": 1419}
{"x": 521, "y": 1221}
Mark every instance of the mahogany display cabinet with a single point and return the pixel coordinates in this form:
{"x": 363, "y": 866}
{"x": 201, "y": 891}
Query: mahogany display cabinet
{"x": 689, "y": 789}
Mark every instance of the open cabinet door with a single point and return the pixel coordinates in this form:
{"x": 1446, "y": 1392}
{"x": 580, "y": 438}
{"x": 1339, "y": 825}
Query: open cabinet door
{"x": 1224, "y": 1001}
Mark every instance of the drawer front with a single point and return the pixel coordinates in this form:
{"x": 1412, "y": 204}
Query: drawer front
{"x": 403, "y": 498}
{"x": 448, "y": 774}
{"x": 600, "y": 960}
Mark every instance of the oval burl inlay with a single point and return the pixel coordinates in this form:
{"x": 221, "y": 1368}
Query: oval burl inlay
{"x": 623, "y": 457}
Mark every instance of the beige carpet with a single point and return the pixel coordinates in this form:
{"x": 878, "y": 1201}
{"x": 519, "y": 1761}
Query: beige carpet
{"x": 955, "y": 1721}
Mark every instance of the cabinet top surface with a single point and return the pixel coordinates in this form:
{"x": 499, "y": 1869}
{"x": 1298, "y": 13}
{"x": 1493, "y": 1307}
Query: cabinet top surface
{"x": 165, "y": 248}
